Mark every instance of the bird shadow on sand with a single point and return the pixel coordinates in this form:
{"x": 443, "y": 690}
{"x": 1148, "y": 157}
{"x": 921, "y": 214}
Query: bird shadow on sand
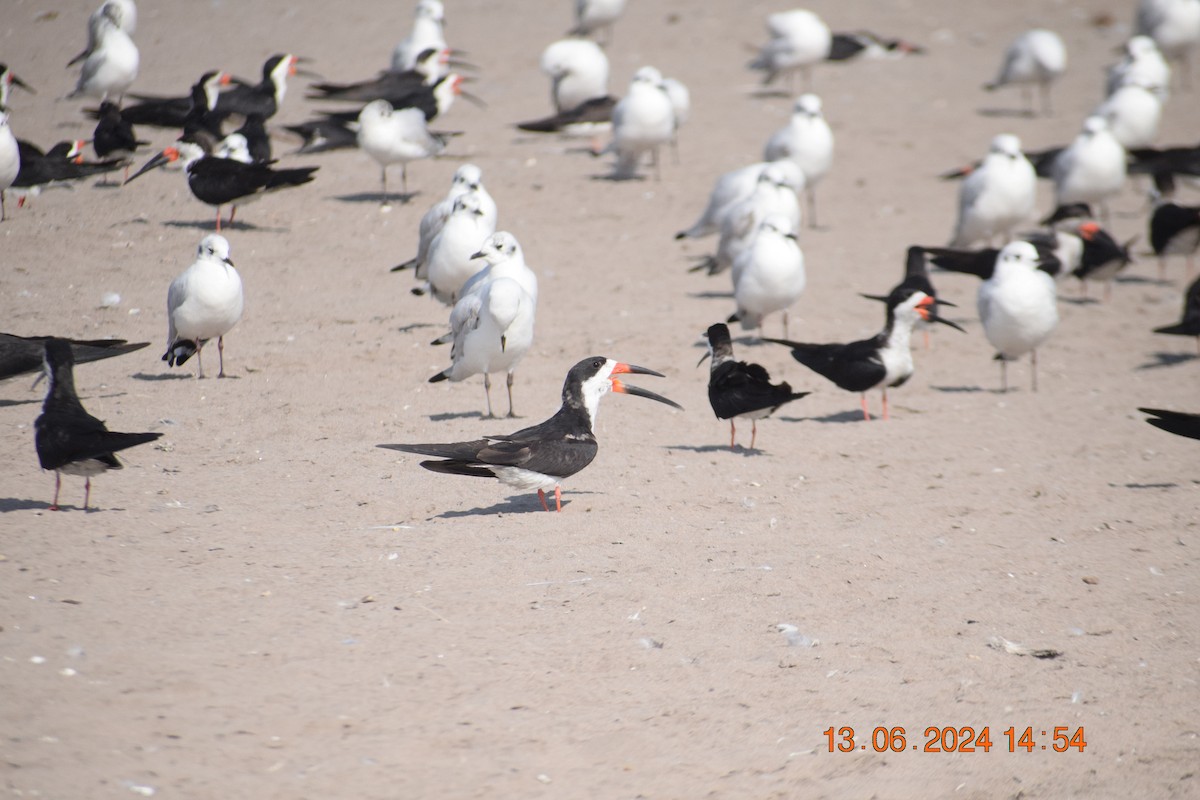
{"x": 1162, "y": 359}
{"x": 711, "y": 295}
{"x": 163, "y": 376}
{"x": 449, "y": 415}
{"x": 765, "y": 93}
{"x": 1077, "y": 300}
{"x": 1143, "y": 279}
{"x": 961, "y": 389}
{"x": 737, "y": 450}
{"x": 376, "y": 197}
{"x": 840, "y": 417}
{"x": 8, "y": 504}
{"x": 29, "y": 402}
{"x": 412, "y": 326}
{"x": 205, "y": 225}
{"x": 1145, "y": 485}
{"x": 517, "y": 504}
{"x": 1008, "y": 113}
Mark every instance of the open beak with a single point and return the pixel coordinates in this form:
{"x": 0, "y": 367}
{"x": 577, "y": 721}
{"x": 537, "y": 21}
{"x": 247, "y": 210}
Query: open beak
{"x": 159, "y": 160}
{"x": 927, "y": 308}
{"x": 704, "y": 358}
{"x": 621, "y": 388}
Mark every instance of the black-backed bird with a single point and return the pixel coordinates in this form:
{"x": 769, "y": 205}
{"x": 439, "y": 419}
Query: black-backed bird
{"x": 68, "y": 438}
{"x": 1180, "y": 423}
{"x": 1189, "y": 322}
{"x": 740, "y": 389}
{"x": 219, "y": 181}
{"x": 541, "y": 456}
{"x": 1175, "y": 230}
{"x": 882, "y": 361}
{"x": 23, "y": 354}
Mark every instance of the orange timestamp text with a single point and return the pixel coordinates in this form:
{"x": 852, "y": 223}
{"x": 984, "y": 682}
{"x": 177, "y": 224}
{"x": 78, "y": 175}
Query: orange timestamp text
{"x": 949, "y": 739}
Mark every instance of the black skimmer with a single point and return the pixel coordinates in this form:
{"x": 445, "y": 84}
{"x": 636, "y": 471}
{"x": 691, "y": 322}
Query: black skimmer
{"x": 1037, "y": 57}
{"x": 739, "y": 389}
{"x": 982, "y": 263}
{"x": 112, "y": 65}
{"x": 114, "y": 137}
{"x": 263, "y": 98}
{"x": 63, "y": 162}
{"x": 23, "y": 354}
{"x": 203, "y": 303}
{"x": 386, "y": 84}
{"x": 220, "y": 181}
{"x": 10, "y": 160}
{"x": 1180, "y": 423}
{"x": 1164, "y": 164}
{"x": 1175, "y": 230}
{"x": 916, "y": 278}
{"x": 9, "y": 79}
{"x": 1103, "y": 257}
{"x": 541, "y": 456}
{"x": 68, "y": 438}
{"x": 191, "y": 113}
{"x": 1018, "y": 306}
{"x": 1189, "y": 322}
{"x": 864, "y": 44}
{"x": 882, "y": 361}
{"x": 586, "y": 119}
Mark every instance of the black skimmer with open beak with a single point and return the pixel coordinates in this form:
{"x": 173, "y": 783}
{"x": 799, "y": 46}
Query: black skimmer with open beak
{"x": 738, "y": 389}
{"x": 62, "y": 162}
{"x": 882, "y": 361}
{"x": 22, "y": 354}
{"x": 219, "y": 181}
{"x": 68, "y": 438}
{"x": 916, "y": 277}
{"x": 1180, "y": 423}
{"x": 541, "y": 456}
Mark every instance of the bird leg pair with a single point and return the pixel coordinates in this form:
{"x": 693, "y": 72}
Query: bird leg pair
{"x": 557, "y": 498}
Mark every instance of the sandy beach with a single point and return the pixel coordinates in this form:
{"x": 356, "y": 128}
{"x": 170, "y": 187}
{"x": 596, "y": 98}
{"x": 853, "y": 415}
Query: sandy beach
{"x": 263, "y": 604}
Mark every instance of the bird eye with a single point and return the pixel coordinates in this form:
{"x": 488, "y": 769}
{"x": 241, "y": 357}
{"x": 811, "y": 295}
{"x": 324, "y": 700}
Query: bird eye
{"x": 598, "y": 363}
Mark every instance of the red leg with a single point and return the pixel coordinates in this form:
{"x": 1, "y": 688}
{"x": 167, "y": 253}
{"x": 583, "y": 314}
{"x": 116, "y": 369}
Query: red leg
{"x": 732, "y": 433}
{"x": 866, "y": 414}
{"x": 542, "y": 497}
{"x": 557, "y": 498}
{"x": 218, "y": 219}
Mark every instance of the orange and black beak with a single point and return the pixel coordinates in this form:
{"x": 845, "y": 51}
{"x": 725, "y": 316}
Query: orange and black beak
{"x": 618, "y": 386}
{"x": 304, "y": 73}
{"x": 927, "y": 308}
{"x": 165, "y": 157}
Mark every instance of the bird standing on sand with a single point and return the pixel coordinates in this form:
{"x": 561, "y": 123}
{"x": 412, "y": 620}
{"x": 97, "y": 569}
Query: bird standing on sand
{"x": 395, "y": 137}
{"x": 1037, "y": 57}
{"x": 1018, "y": 306}
{"x": 541, "y": 456}
{"x": 739, "y": 389}
{"x": 68, "y": 438}
{"x": 204, "y": 302}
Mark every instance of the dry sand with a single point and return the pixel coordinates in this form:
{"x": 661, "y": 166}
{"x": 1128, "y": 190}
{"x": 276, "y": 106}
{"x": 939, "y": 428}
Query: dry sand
{"x": 264, "y": 605}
